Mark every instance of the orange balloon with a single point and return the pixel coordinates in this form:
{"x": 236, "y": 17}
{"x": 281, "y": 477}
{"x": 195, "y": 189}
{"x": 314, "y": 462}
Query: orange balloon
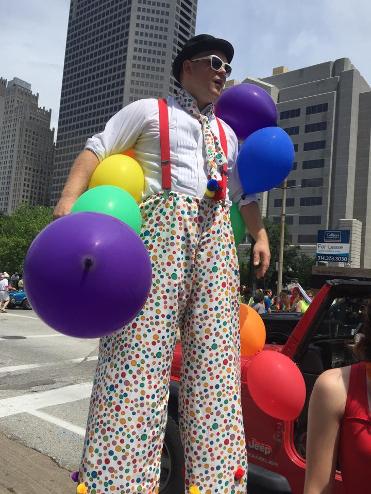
{"x": 252, "y": 331}
{"x": 129, "y": 152}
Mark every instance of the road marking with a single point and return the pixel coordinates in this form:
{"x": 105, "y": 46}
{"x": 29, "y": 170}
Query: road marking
{"x": 25, "y": 317}
{"x": 16, "y": 368}
{"x": 34, "y": 401}
{"x": 57, "y": 421}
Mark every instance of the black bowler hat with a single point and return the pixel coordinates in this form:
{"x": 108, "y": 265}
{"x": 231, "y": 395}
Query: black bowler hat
{"x": 198, "y": 44}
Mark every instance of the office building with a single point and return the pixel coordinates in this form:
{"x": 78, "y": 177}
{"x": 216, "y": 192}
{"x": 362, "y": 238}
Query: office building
{"x": 326, "y": 109}
{"x": 26, "y": 147}
{"x": 116, "y": 52}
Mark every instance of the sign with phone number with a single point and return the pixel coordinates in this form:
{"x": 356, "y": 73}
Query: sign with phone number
{"x": 333, "y": 257}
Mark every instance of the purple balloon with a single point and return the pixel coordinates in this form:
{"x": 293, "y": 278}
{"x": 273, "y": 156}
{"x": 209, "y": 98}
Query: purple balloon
{"x": 87, "y": 274}
{"x": 246, "y": 108}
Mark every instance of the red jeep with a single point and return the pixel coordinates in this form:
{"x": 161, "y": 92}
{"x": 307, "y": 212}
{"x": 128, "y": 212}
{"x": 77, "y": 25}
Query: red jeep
{"x": 322, "y": 339}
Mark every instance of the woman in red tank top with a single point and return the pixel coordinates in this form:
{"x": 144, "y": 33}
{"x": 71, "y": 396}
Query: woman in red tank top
{"x": 339, "y": 425}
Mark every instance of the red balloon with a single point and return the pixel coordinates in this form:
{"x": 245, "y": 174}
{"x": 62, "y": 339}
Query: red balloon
{"x": 276, "y": 385}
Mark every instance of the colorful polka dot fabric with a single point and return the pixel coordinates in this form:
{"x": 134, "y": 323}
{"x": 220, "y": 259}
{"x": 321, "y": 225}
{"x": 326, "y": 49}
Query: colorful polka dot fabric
{"x": 194, "y": 288}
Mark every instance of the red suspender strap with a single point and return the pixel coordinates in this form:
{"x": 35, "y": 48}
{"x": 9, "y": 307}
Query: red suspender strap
{"x": 164, "y": 143}
{"x": 221, "y": 193}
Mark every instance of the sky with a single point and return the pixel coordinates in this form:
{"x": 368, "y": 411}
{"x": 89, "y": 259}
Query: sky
{"x": 265, "y": 34}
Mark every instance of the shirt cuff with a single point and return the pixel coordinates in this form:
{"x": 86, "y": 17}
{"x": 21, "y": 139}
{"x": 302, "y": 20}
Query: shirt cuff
{"x": 93, "y": 146}
{"x": 246, "y": 199}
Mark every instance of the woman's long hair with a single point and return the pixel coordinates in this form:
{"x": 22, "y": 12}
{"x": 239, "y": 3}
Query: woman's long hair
{"x": 363, "y": 347}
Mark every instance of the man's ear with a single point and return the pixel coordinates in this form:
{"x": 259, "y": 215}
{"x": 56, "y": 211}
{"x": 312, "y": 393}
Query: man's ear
{"x": 187, "y": 67}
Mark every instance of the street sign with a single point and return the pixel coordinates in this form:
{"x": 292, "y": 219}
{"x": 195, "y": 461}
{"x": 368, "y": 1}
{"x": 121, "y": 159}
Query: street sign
{"x": 333, "y": 245}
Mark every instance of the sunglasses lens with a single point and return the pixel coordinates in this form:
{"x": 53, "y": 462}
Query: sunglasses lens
{"x": 216, "y": 63}
{"x": 228, "y": 69}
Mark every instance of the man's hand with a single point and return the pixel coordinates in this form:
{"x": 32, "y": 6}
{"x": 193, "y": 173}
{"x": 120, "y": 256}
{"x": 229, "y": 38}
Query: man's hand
{"x": 262, "y": 257}
{"x": 261, "y": 253}
{"x": 63, "y": 207}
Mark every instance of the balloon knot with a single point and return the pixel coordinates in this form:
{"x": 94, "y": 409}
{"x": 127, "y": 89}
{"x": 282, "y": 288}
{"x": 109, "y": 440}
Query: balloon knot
{"x": 88, "y": 263}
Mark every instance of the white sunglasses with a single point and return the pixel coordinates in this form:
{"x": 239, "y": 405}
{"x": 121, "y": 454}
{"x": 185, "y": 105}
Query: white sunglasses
{"x": 216, "y": 63}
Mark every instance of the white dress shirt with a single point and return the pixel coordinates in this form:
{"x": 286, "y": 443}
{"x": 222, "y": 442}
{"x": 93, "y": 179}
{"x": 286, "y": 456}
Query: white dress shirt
{"x": 137, "y": 126}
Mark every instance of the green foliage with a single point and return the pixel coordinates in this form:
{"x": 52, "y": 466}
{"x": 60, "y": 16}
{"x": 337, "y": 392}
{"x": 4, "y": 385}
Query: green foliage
{"x": 17, "y": 232}
{"x": 296, "y": 264}
{"x": 244, "y": 273}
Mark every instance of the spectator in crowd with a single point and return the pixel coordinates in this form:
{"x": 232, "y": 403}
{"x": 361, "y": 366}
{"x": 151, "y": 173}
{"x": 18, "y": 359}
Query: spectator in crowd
{"x": 246, "y": 295}
{"x": 268, "y": 299}
{"x": 299, "y": 304}
{"x": 284, "y": 301}
{"x": 14, "y": 279}
{"x": 275, "y": 306}
{"x": 4, "y": 292}
{"x": 20, "y": 283}
{"x": 339, "y": 424}
{"x": 258, "y": 304}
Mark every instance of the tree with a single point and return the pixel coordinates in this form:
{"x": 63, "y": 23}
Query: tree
{"x": 17, "y": 231}
{"x": 296, "y": 264}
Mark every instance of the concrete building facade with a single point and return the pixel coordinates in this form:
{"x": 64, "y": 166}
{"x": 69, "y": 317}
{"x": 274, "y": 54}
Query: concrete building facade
{"x": 325, "y": 109}
{"x": 116, "y": 53}
{"x": 26, "y": 147}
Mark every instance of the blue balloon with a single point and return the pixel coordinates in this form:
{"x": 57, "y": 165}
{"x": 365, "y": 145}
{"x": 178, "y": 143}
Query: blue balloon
{"x": 265, "y": 159}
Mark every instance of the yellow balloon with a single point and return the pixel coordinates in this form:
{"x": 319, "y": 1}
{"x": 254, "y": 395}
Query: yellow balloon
{"x": 122, "y": 171}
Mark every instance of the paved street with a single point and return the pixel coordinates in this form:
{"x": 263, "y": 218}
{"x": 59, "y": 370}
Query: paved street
{"x": 45, "y": 385}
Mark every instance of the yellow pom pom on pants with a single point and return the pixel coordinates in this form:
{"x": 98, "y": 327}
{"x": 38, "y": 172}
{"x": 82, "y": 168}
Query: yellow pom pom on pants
{"x": 194, "y": 289}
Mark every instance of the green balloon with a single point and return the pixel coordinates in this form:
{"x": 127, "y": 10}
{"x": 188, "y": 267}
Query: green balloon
{"x": 108, "y": 199}
{"x": 238, "y": 224}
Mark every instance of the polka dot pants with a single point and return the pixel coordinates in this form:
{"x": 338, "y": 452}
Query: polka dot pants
{"x": 194, "y": 289}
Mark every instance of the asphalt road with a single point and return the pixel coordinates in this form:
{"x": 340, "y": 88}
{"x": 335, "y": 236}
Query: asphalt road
{"x": 45, "y": 385}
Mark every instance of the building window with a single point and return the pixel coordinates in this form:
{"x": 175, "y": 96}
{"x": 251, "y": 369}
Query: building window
{"x": 309, "y": 220}
{"x": 284, "y": 115}
{"x": 290, "y": 202}
{"x": 310, "y": 146}
{"x": 315, "y": 127}
{"x": 289, "y": 220}
{"x": 291, "y": 183}
{"x": 295, "y": 147}
{"x": 317, "y": 108}
{"x": 292, "y": 130}
{"x": 309, "y": 164}
{"x": 295, "y": 165}
{"x": 312, "y": 182}
{"x": 307, "y": 239}
{"x": 310, "y": 201}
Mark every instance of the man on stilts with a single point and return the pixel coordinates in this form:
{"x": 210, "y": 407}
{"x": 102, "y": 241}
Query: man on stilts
{"x": 189, "y": 162}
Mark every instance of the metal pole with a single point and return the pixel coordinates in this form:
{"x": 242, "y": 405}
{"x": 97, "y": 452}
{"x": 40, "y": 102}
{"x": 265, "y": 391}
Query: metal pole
{"x": 252, "y": 278}
{"x": 282, "y": 238}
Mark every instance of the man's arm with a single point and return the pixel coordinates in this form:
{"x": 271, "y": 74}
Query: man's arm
{"x": 77, "y": 182}
{"x": 326, "y": 408}
{"x": 121, "y": 132}
{"x": 253, "y": 221}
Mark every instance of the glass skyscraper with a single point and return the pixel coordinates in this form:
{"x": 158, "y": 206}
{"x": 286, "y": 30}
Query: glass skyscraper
{"x": 117, "y": 51}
